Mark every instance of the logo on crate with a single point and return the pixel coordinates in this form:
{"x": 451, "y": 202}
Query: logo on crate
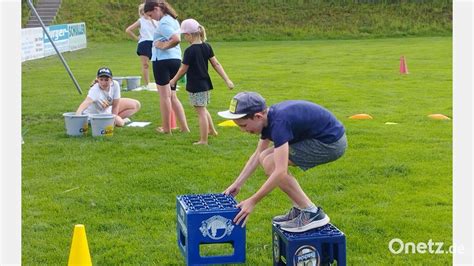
{"x": 216, "y": 227}
{"x": 276, "y": 248}
{"x": 306, "y": 256}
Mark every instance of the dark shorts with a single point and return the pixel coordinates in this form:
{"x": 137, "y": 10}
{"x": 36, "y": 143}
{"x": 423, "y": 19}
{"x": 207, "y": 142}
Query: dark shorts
{"x": 164, "y": 71}
{"x": 309, "y": 153}
{"x": 144, "y": 48}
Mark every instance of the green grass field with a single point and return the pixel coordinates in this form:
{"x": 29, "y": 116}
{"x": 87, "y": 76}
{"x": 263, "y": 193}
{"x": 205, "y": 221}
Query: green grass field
{"x": 395, "y": 181}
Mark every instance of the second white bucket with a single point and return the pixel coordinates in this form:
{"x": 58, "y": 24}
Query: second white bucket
{"x": 133, "y": 82}
{"x": 102, "y": 125}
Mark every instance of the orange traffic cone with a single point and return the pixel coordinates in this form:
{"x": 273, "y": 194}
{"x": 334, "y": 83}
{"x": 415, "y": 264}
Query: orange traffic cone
{"x": 403, "y": 65}
{"x": 172, "y": 120}
{"x": 361, "y": 117}
{"x": 439, "y": 117}
{"x": 79, "y": 254}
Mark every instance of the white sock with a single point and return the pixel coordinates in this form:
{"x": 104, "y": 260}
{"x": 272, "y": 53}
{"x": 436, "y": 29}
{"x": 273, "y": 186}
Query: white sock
{"x": 311, "y": 208}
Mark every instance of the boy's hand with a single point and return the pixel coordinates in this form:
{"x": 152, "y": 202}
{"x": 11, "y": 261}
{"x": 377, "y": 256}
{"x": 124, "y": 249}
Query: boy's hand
{"x": 232, "y": 190}
{"x": 246, "y": 207}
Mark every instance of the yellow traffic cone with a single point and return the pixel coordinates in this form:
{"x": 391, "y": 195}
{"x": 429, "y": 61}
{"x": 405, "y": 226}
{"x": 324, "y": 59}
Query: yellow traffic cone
{"x": 227, "y": 123}
{"x": 79, "y": 254}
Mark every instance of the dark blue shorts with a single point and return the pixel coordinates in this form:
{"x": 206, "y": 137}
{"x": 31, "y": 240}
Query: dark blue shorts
{"x": 144, "y": 48}
{"x": 164, "y": 71}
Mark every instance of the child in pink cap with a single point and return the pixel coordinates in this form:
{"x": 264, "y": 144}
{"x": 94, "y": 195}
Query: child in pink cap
{"x": 195, "y": 66}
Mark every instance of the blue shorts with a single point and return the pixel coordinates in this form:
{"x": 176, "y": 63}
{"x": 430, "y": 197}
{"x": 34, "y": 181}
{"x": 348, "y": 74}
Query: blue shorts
{"x": 144, "y": 48}
{"x": 164, "y": 71}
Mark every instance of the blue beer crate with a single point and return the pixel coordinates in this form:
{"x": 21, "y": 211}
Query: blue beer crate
{"x": 206, "y": 219}
{"x": 320, "y": 246}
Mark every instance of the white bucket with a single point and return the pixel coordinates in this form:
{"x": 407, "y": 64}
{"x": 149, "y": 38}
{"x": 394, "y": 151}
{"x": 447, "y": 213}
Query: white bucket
{"x": 119, "y": 80}
{"x": 133, "y": 82}
{"x": 76, "y": 125}
{"x": 102, "y": 125}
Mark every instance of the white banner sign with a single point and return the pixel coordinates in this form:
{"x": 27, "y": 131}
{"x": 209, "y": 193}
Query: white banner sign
{"x": 31, "y": 44}
{"x": 77, "y": 36}
{"x": 60, "y": 36}
{"x": 66, "y": 37}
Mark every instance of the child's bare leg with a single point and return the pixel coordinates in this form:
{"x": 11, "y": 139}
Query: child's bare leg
{"x": 145, "y": 66}
{"x": 179, "y": 112}
{"x": 288, "y": 183}
{"x": 212, "y": 129}
{"x": 127, "y": 107}
{"x": 165, "y": 108}
{"x": 203, "y": 124}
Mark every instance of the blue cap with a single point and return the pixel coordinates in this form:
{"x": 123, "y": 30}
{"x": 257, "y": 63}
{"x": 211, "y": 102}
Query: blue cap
{"x": 244, "y": 103}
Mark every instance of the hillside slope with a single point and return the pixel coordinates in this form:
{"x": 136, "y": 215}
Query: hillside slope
{"x": 274, "y": 19}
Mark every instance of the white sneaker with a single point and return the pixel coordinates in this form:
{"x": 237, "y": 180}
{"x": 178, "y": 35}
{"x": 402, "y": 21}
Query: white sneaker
{"x": 151, "y": 87}
{"x": 127, "y": 121}
{"x": 141, "y": 88}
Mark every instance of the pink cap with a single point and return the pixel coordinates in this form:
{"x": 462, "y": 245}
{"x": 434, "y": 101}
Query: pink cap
{"x": 189, "y": 26}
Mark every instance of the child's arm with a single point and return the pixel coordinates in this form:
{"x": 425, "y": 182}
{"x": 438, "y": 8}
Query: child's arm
{"x": 83, "y": 106}
{"x": 280, "y": 157}
{"x": 115, "y": 108}
{"x": 249, "y": 168}
{"x": 182, "y": 70}
{"x": 131, "y": 28}
{"x": 174, "y": 40}
{"x": 220, "y": 70}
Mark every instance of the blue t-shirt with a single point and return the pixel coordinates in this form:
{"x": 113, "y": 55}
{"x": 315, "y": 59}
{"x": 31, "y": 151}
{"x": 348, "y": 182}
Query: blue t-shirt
{"x": 168, "y": 26}
{"x": 294, "y": 121}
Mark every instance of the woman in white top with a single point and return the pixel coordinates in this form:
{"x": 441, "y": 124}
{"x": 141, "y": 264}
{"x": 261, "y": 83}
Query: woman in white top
{"x": 147, "y": 27}
{"x": 104, "y": 98}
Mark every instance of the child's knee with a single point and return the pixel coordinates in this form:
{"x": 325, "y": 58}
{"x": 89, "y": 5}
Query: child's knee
{"x": 200, "y": 110}
{"x": 264, "y": 154}
{"x": 267, "y": 165}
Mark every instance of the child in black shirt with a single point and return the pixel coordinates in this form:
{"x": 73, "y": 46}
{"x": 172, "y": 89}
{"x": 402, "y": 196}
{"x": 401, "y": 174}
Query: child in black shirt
{"x": 198, "y": 82}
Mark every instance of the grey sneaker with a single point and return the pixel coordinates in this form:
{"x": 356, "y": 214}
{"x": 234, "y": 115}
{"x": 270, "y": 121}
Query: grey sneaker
{"x": 292, "y": 214}
{"x": 306, "y": 221}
